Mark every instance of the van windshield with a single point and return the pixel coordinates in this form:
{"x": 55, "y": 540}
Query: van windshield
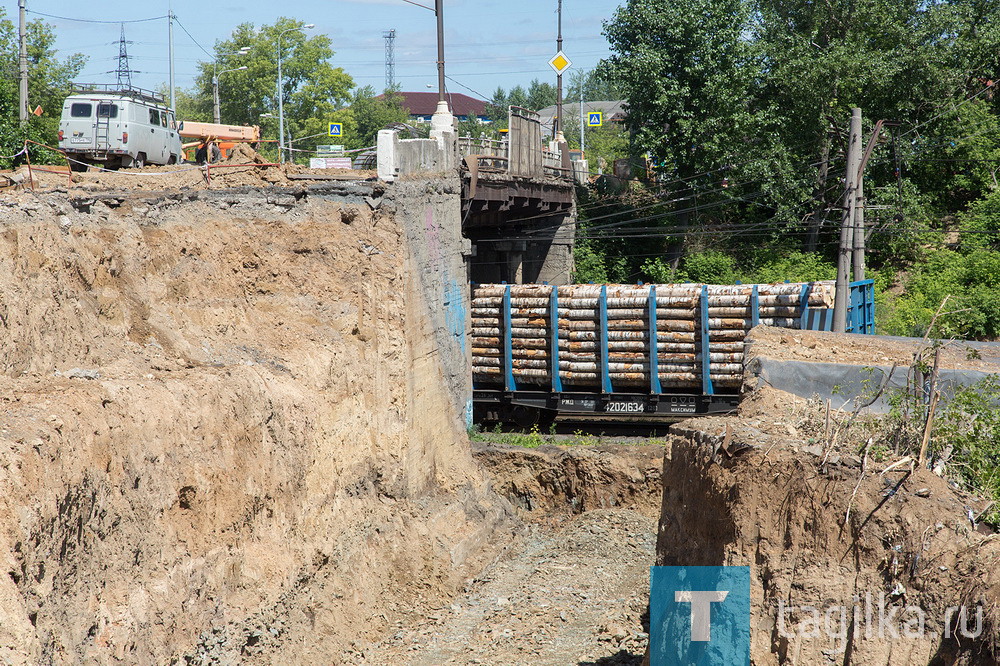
{"x": 107, "y": 111}
{"x": 81, "y": 110}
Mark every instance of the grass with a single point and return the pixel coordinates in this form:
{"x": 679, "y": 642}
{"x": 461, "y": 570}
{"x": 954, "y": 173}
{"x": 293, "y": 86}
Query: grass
{"x": 534, "y": 438}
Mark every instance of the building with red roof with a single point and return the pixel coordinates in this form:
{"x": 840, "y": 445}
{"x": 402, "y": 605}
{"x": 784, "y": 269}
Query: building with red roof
{"x": 422, "y": 106}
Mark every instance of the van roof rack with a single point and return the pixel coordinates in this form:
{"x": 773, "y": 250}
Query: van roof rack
{"x": 115, "y": 89}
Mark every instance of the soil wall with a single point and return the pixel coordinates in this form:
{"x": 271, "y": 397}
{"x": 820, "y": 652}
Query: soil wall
{"x": 823, "y": 536}
{"x": 226, "y": 429}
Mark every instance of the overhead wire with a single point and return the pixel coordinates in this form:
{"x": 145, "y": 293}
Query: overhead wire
{"x": 177, "y": 21}
{"x": 80, "y": 20}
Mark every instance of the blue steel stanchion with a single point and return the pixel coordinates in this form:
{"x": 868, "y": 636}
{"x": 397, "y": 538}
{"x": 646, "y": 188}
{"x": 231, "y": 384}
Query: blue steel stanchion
{"x": 554, "y": 338}
{"x": 706, "y": 351}
{"x": 508, "y": 356}
{"x": 870, "y": 308}
{"x": 603, "y": 306}
{"x": 654, "y": 352}
{"x": 754, "y": 306}
{"x": 804, "y": 306}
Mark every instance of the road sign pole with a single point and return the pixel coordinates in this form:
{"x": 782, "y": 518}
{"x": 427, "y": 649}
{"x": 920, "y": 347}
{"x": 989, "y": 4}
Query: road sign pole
{"x": 559, "y": 100}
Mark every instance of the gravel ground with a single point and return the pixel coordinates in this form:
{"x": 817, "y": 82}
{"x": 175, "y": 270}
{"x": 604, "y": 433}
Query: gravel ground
{"x": 573, "y": 592}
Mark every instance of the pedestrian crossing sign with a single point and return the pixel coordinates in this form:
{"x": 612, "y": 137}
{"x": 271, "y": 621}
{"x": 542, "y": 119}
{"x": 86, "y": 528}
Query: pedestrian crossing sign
{"x": 596, "y": 119}
{"x": 336, "y": 129}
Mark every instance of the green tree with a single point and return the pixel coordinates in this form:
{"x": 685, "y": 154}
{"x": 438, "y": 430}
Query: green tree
{"x": 687, "y": 71}
{"x": 594, "y": 85}
{"x": 496, "y": 108}
{"x": 904, "y": 61}
{"x": 540, "y": 95}
{"x": 367, "y": 114}
{"x": 48, "y": 85}
{"x": 312, "y": 88}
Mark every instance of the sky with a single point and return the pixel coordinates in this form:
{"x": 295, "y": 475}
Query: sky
{"x": 488, "y": 43}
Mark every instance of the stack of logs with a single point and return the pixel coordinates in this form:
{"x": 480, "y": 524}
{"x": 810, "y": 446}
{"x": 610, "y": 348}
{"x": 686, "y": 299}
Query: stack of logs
{"x": 678, "y": 331}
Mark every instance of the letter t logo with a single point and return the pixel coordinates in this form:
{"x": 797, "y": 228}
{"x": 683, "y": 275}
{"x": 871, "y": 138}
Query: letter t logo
{"x": 701, "y": 610}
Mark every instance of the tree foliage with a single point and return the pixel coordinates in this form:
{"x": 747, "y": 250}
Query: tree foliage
{"x": 536, "y": 96}
{"x": 49, "y": 81}
{"x": 312, "y": 88}
{"x": 739, "y": 109}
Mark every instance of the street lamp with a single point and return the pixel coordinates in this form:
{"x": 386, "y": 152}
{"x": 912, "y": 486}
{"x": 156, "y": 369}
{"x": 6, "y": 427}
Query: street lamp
{"x": 442, "y": 119}
{"x": 281, "y": 94}
{"x": 215, "y": 90}
{"x": 244, "y": 50}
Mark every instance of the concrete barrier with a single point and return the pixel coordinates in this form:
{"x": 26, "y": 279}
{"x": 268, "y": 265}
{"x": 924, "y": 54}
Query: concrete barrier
{"x": 400, "y": 157}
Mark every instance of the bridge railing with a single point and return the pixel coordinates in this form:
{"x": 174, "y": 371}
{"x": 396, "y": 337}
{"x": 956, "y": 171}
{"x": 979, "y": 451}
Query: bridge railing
{"x": 552, "y": 165}
{"x": 521, "y": 153}
{"x": 468, "y": 145}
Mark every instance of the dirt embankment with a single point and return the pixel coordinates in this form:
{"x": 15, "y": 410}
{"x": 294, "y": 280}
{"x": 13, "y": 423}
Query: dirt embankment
{"x": 826, "y": 347}
{"x": 555, "y": 481}
{"x": 572, "y": 588}
{"x": 220, "y": 434}
{"x": 829, "y": 530}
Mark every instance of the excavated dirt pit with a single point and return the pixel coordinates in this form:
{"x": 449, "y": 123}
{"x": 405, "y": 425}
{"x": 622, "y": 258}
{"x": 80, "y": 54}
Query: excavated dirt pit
{"x": 224, "y": 438}
{"x": 222, "y": 432}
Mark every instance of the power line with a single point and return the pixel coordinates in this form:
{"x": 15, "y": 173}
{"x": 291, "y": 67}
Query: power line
{"x": 177, "y": 21}
{"x": 80, "y": 20}
{"x": 473, "y": 91}
{"x": 953, "y": 108}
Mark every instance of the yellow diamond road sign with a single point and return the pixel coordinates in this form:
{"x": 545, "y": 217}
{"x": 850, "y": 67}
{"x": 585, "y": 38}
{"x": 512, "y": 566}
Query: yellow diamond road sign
{"x": 560, "y": 62}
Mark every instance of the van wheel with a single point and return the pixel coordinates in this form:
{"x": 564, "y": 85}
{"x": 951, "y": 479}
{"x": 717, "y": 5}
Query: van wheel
{"x": 77, "y": 165}
{"x": 139, "y": 161}
{"x": 172, "y": 160}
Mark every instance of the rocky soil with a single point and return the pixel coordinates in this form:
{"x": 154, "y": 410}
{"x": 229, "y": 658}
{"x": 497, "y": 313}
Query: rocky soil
{"x": 222, "y": 416}
{"x": 573, "y": 588}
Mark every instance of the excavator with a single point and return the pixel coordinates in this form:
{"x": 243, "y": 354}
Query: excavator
{"x": 210, "y": 142}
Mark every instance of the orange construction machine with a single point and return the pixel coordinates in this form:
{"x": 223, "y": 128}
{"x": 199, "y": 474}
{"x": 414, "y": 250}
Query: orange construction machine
{"x": 225, "y": 137}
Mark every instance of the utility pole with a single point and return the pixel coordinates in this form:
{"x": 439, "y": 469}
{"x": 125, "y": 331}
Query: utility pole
{"x": 170, "y": 49}
{"x": 22, "y": 87}
{"x": 858, "y": 255}
{"x": 847, "y": 224}
{"x": 216, "y": 111}
{"x": 557, "y": 130}
{"x": 439, "y": 11}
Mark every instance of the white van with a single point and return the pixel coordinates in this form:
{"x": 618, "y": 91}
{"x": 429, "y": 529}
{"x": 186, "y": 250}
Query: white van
{"x": 115, "y": 128}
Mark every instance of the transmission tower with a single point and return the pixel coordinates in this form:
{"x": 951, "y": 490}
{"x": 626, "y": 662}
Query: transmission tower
{"x": 390, "y": 58}
{"x": 123, "y": 72}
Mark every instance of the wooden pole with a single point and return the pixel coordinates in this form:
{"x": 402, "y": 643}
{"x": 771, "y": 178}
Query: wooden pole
{"x": 842, "y": 298}
{"x": 927, "y": 430}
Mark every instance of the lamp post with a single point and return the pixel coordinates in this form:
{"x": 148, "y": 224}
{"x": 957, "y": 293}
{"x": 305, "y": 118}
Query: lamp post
{"x": 281, "y": 94}
{"x": 442, "y": 120}
{"x": 215, "y": 79}
{"x": 215, "y": 91}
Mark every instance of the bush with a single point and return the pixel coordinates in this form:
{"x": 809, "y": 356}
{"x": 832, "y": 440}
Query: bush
{"x": 968, "y": 438}
{"x": 972, "y": 311}
{"x": 795, "y": 267}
